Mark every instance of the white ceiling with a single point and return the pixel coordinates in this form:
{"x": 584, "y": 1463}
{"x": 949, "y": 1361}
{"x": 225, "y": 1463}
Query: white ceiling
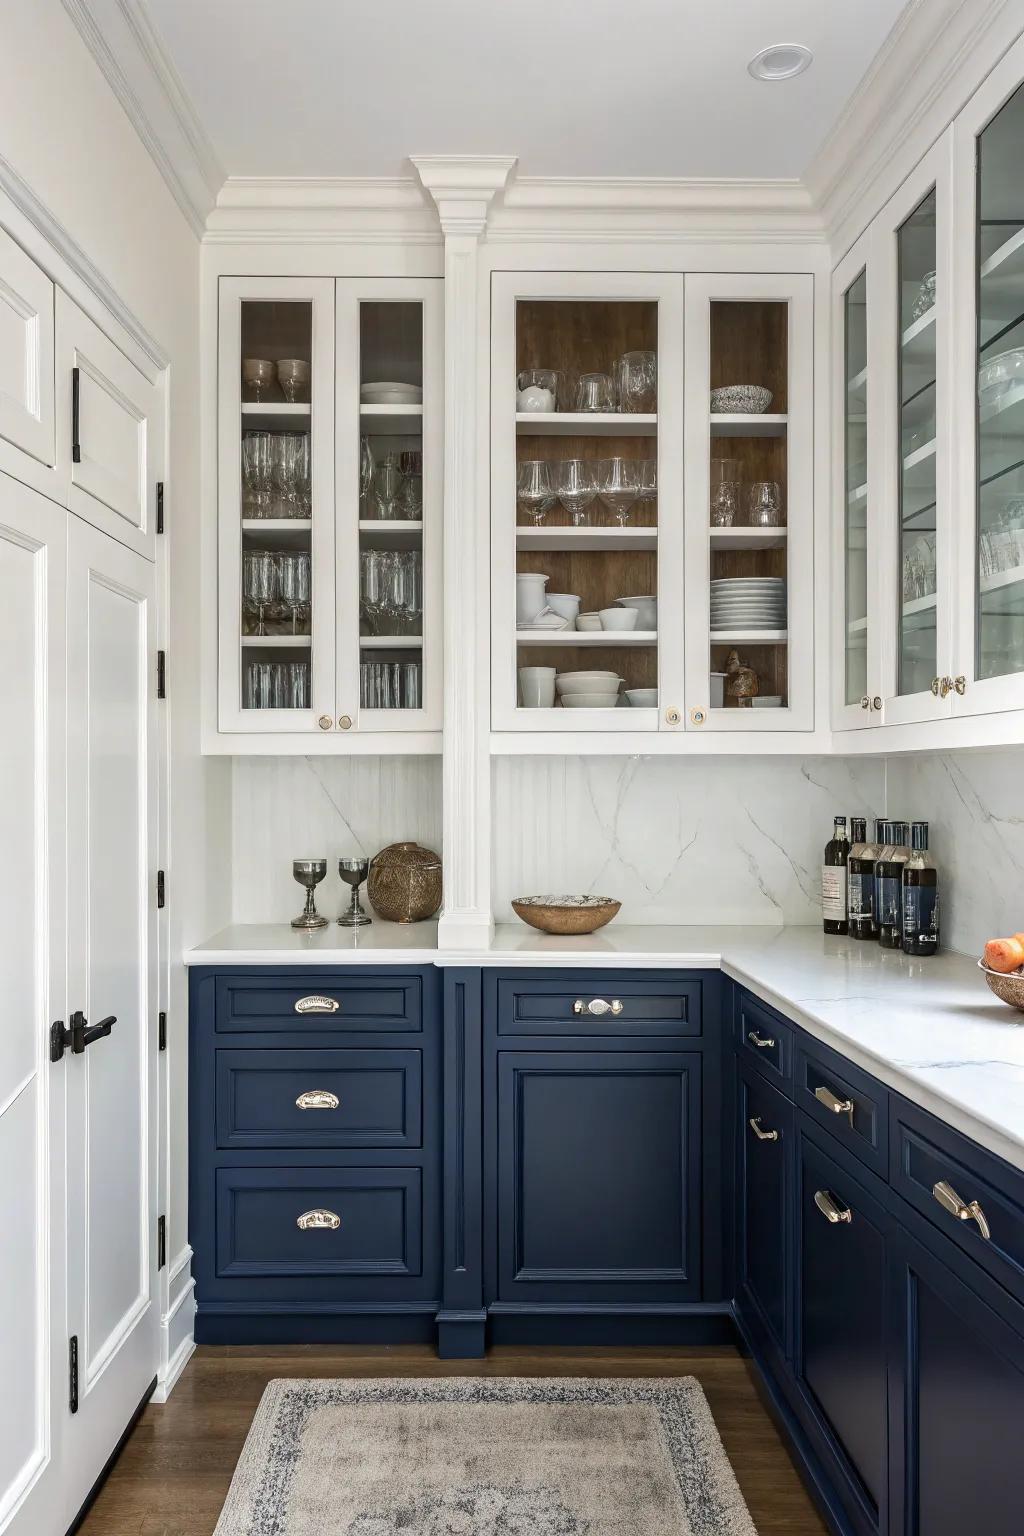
{"x": 573, "y": 87}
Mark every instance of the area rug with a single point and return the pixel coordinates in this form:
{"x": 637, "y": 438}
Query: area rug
{"x": 497, "y": 1457}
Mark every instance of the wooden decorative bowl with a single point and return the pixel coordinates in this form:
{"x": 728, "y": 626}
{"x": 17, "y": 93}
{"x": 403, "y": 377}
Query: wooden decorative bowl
{"x": 566, "y": 914}
{"x": 1008, "y": 986}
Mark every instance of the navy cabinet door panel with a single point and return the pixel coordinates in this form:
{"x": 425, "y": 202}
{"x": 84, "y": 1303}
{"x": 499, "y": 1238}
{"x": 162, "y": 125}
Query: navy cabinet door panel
{"x": 291, "y": 1004}
{"x": 926, "y": 1153}
{"x": 353, "y": 1098}
{"x": 840, "y": 1341}
{"x": 956, "y": 1396}
{"x": 825, "y": 1084}
{"x": 639, "y": 1004}
{"x": 259, "y": 1211}
{"x": 598, "y": 1177}
{"x": 764, "y": 1151}
{"x": 764, "y": 1039}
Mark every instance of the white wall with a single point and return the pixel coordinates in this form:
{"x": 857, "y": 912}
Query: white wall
{"x": 65, "y": 134}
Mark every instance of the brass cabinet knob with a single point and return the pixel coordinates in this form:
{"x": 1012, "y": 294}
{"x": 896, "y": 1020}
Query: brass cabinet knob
{"x": 865, "y": 702}
{"x": 325, "y": 722}
{"x": 876, "y": 702}
{"x": 672, "y": 717}
{"x": 318, "y": 1221}
{"x": 345, "y": 721}
{"x": 950, "y": 1201}
{"x": 697, "y": 716}
{"x": 935, "y": 685}
{"x": 830, "y": 1208}
{"x": 960, "y": 684}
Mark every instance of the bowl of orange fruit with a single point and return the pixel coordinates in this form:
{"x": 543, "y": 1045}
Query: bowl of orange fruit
{"x": 1003, "y": 965}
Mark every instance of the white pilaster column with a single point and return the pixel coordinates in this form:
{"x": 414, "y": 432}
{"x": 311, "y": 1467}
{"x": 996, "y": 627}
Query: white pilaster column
{"x": 462, "y": 187}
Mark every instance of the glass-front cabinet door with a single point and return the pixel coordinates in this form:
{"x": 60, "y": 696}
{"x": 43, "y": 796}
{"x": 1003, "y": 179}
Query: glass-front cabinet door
{"x": 749, "y": 558}
{"x": 987, "y": 666}
{"x": 586, "y": 502}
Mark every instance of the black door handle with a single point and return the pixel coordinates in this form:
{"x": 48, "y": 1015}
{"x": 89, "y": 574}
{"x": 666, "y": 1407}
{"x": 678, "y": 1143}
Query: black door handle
{"x": 76, "y": 407}
{"x": 80, "y": 1034}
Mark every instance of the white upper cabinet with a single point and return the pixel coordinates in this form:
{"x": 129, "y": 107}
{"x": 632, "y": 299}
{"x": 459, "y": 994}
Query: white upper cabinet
{"x": 27, "y": 437}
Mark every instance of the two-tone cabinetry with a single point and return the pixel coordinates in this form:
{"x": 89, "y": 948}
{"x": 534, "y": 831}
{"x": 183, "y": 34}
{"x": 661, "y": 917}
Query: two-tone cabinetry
{"x": 880, "y": 1283}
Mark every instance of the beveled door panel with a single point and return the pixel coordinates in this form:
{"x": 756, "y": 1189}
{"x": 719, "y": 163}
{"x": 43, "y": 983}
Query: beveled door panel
{"x": 26, "y": 366}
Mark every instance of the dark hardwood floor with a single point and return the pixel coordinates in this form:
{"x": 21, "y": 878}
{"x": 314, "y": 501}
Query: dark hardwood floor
{"x": 174, "y": 1472}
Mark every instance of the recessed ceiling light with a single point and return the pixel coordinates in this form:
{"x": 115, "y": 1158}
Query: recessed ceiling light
{"x": 780, "y": 62}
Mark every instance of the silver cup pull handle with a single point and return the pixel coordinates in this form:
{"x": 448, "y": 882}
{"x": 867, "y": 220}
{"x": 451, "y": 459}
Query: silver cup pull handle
{"x": 319, "y": 1220}
{"x": 317, "y": 1098}
{"x": 597, "y": 1006}
{"x": 315, "y": 1003}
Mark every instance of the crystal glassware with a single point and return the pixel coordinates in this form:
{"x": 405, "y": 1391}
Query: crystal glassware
{"x": 410, "y": 494}
{"x": 373, "y": 587}
{"x": 259, "y": 584}
{"x": 309, "y": 873}
{"x": 256, "y": 474}
{"x": 353, "y": 871}
{"x": 618, "y": 485}
{"x": 537, "y": 390}
{"x": 293, "y": 377}
{"x": 764, "y": 504}
{"x": 258, "y": 376}
{"x": 595, "y": 392}
{"x": 282, "y": 463}
{"x": 294, "y": 584}
{"x": 387, "y": 482}
{"x": 367, "y": 468}
{"x": 648, "y": 479}
{"x": 534, "y": 489}
{"x": 303, "y": 476}
{"x": 725, "y": 503}
{"x": 636, "y": 380}
{"x": 576, "y": 484}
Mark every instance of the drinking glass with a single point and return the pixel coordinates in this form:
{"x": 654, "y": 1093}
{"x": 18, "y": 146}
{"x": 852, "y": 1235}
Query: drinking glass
{"x": 294, "y": 582}
{"x": 636, "y": 379}
{"x": 725, "y": 502}
{"x": 537, "y": 389}
{"x": 410, "y": 495}
{"x": 576, "y": 484}
{"x": 764, "y": 504}
{"x": 256, "y": 473}
{"x": 618, "y": 485}
{"x": 282, "y": 456}
{"x": 298, "y": 685}
{"x": 367, "y": 468}
{"x": 259, "y": 584}
{"x": 595, "y": 392}
{"x": 411, "y": 675}
{"x": 303, "y": 476}
{"x": 648, "y": 479}
{"x": 373, "y": 577}
{"x": 534, "y": 490}
{"x": 724, "y": 469}
{"x": 387, "y": 482}
{"x": 257, "y": 685}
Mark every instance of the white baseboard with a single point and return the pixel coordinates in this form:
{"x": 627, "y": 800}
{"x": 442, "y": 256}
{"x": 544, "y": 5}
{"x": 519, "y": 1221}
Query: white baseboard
{"x": 168, "y": 1378}
{"x": 177, "y": 1343}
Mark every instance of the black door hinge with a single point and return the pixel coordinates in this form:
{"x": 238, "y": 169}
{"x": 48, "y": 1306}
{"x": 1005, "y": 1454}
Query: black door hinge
{"x": 76, "y": 447}
{"x": 161, "y": 674}
{"x": 161, "y": 1242}
{"x": 161, "y": 893}
{"x": 161, "y": 1031}
{"x": 159, "y": 506}
{"x": 73, "y": 1373}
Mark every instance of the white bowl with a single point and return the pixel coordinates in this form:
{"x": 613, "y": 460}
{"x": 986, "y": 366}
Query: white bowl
{"x": 998, "y": 375}
{"x": 587, "y": 682}
{"x": 618, "y": 618}
{"x": 388, "y": 392}
{"x": 565, "y": 604}
{"x": 642, "y": 698}
{"x": 588, "y": 622}
{"x": 646, "y": 610}
{"x": 590, "y": 700}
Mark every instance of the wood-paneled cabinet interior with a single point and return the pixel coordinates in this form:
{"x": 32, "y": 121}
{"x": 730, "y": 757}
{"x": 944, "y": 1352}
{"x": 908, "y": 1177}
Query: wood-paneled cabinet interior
{"x": 329, "y": 551}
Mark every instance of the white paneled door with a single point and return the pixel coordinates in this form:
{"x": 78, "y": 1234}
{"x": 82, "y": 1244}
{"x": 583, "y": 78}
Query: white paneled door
{"x": 32, "y": 1345}
{"x": 111, "y": 1085}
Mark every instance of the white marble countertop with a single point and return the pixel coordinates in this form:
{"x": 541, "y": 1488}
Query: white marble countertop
{"x": 931, "y": 1029}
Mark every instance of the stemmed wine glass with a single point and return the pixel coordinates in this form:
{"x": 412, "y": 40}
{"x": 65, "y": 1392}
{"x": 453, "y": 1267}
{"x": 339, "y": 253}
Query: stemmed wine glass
{"x": 534, "y": 490}
{"x": 618, "y": 485}
{"x": 648, "y": 479}
{"x": 256, "y": 472}
{"x": 309, "y": 873}
{"x": 294, "y": 574}
{"x": 282, "y": 455}
{"x": 259, "y": 581}
{"x": 387, "y": 482}
{"x": 303, "y": 476}
{"x": 353, "y": 872}
{"x": 410, "y": 496}
{"x": 367, "y": 468}
{"x": 373, "y": 571}
{"x": 576, "y": 484}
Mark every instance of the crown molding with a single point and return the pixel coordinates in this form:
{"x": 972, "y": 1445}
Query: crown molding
{"x": 463, "y": 187}
{"x": 930, "y": 64}
{"x": 122, "y": 39}
{"x": 322, "y": 210}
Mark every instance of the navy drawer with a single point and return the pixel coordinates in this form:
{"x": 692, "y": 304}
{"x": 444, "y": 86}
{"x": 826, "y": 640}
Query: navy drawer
{"x": 352, "y": 1004}
{"x": 845, "y": 1101}
{"x": 765, "y": 1039}
{"x": 311, "y": 1098}
{"x": 764, "y": 1172}
{"x": 268, "y": 1222}
{"x": 925, "y": 1154}
{"x": 602, "y": 1003}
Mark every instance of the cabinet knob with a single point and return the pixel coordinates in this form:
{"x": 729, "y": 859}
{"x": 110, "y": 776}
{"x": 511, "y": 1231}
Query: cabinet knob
{"x": 597, "y": 1006}
{"x": 318, "y": 1221}
{"x": 345, "y": 721}
{"x": 950, "y": 1201}
{"x": 833, "y": 1102}
{"x": 876, "y": 702}
{"x": 697, "y": 716}
{"x": 865, "y": 702}
{"x": 935, "y": 685}
{"x": 325, "y": 722}
{"x": 755, "y": 1125}
{"x": 960, "y": 684}
{"x": 672, "y": 717}
{"x": 317, "y": 1098}
{"x": 830, "y": 1208}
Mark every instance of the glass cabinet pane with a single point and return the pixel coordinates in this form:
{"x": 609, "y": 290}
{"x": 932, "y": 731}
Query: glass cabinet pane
{"x": 390, "y": 504}
{"x": 277, "y": 499}
{"x": 1000, "y": 309}
{"x": 917, "y": 646}
{"x": 855, "y": 418}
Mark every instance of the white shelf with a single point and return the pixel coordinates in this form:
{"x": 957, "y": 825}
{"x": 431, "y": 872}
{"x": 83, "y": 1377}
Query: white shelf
{"x": 918, "y": 340}
{"x": 857, "y": 626}
{"x": 585, "y": 424}
{"x": 277, "y": 642}
{"x": 278, "y": 532}
{"x": 275, "y": 415}
{"x": 1002, "y": 444}
{"x": 391, "y": 420}
{"x": 587, "y": 639}
{"x": 585, "y": 538}
{"x": 860, "y": 493}
{"x": 999, "y": 580}
{"x": 390, "y": 642}
{"x": 743, "y": 425}
{"x": 749, "y": 538}
{"x": 391, "y": 533}
{"x": 749, "y": 636}
{"x": 857, "y": 385}
{"x": 1002, "y": 287}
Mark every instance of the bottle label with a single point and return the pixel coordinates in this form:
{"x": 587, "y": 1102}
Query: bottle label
{"x": 921, "y": 911}
{"x": 889, "y": 891}
{"x": 862, "y": 895}
{"x": 833, "y": 892}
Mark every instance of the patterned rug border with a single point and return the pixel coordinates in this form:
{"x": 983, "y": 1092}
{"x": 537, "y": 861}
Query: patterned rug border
{"x": 257, "y": 1500}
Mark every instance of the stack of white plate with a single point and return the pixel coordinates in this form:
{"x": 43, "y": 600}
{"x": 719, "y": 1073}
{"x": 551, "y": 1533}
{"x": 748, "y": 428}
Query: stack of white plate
{"x": 387, "y": 392}
{"x": 748, "y": 602}
{"x": 588, "y": 690}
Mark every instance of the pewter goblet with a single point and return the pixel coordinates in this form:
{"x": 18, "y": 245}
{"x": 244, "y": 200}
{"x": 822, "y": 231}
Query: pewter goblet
{"x": 309, "y": 872}
{"x": 353, "y": 872}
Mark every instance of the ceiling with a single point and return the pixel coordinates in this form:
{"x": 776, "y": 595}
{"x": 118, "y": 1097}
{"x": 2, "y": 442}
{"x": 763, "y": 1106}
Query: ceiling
{"x": 627, "y": 88}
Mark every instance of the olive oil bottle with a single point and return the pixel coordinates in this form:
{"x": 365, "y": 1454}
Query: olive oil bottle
{"x": 920, "y": 896}
{"x": 861, "y": 881}
{"x": 889, "y": 884}
{"x": 833, "y": 879}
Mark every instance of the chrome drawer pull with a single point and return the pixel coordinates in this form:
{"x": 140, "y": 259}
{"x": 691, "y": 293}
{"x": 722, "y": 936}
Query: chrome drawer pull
{"x": 317, "y": 1098}
{"x": 836, "y": 1105}
{"x": 315, "y": 1003}
{"x": 319, "y": 1220}
{"x": 763, "y": 1042}
{"x": 755, "y": 1125}
{"x": 950, "y": 1201}
{"x": 831, "y": 1209}
{"x": 597, "y": 1006}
